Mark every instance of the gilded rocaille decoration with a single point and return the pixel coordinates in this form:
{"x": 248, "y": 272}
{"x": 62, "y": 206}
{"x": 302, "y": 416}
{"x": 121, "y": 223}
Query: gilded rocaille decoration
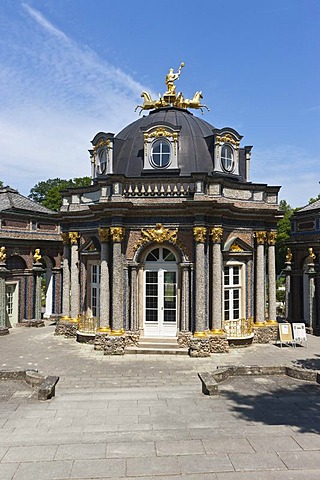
{"x": 160, "y": 234}
{"x": 3, "y": 254}
{"x": 104, "y": 234}
{"x": 311, "y": 256}
{"x": 216, "y": 234}
{"x": 170, "y": 97}
{"x": 102, "y": 143}
{"x": 117, "y": 234}
{"x": 228, "y": 138}
{"x": 200, "y": 234}
{"x": 74, "y": 237}
{"x": 272, "y": 237}
{"x": 65, "y": 238}
{"x": 288, "y": 255}
{"x": 236, "y": 248}
{"x": 261, "y": 237}
{"x": 37, "y": 255}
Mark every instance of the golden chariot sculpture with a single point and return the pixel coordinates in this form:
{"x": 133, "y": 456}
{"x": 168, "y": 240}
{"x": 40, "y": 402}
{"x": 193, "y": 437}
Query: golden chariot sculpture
{"x": 170, "y": 97}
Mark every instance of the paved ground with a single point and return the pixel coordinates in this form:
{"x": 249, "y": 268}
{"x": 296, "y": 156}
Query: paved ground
{"x": 144, "y": 417}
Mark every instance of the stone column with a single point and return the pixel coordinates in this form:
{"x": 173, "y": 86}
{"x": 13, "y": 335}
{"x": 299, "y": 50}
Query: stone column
{"x": 260, "y": 280}
{"x": 185, "y": 296}
{"x": 104, "y": 235}
{"x": 200, "y": 234}
{"x": 134, "y": 321}
{"x": 38, "y": 270}
{"x": 311, "y": 300}
{"x": 3, "y": 271}
{"x": 272, "y": 292}
{"x": 217, "y": 288}
{"x": 66, "y": 276}
{"x": 117, "y": 234}
{"x": 75, "y": 285}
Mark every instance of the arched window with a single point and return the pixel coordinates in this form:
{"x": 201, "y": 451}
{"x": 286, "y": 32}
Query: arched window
{"x": 227, "y": 158}
{"x": 161, "y": 255}
{"x": 160, "y": 154}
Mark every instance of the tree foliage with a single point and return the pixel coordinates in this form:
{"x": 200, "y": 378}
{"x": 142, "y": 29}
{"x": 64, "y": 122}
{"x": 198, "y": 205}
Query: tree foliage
{"x": 284, "y": 228}
{"x": 47, "y": 192}
{"x": 312, "y": 200}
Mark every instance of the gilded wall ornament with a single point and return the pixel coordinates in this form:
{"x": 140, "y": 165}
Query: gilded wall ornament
{"x": 117, "y": 234}
{"x": 104, "y": 234}
{"x": 216, "y": 234}
{"x": 74, "y": 237}
{"x": 261, "y": 237}
{"x": 311, "y": 256}
{"x": 200, "y": 234}
{"x": 227, "y": 138}
{"x": 288, "y": 255}
{"x": 3, "y": 254}
{"x": 160, "y": 234}
{"x": 37, "y": 255}
{"x": 272, "y": 237}
{"x": 236, "y": 248}
{"x": 102, "y": 143}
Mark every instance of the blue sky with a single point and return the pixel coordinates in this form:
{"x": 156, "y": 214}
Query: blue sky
{"x": 72, "y": 68}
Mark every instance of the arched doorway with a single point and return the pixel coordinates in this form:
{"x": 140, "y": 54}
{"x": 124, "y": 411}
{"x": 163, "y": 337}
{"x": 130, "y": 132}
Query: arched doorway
{"x": 160, "y": 279}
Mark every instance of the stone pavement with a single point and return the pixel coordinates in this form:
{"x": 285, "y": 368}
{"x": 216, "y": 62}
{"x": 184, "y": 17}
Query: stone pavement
{"x": 144, "y": 417}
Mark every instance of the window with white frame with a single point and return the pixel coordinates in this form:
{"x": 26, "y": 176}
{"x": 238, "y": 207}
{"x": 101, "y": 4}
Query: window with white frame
{"x": 95, "y": 289}
{"x": 160, "y": 153}
{"x": 232, "y": 292}
{"x": 227, "y": 158}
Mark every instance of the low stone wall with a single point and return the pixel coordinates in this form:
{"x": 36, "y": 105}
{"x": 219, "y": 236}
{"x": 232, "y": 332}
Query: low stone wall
{"x": 66, "y": 329}
{"x": 218, "y": 344}
{"x": 184, "y": 339}
{"x": 210, "y": 380}
{"x": 114, "y": 345}
{"x": 45, "y": 386}
{"x": 132, "y": 337}
{"x": 199, "y": 347}
{"x": 4, "y": 331}
{"x": 267, "y": 334}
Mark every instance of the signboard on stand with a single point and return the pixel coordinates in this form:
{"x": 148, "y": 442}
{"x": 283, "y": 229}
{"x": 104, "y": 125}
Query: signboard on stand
{"x": 285, "y": 334}
{"x": 299, "y": 333}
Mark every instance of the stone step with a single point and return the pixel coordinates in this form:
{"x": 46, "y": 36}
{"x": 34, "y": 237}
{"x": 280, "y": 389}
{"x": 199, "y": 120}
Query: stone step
{"x": 156, "y": 350}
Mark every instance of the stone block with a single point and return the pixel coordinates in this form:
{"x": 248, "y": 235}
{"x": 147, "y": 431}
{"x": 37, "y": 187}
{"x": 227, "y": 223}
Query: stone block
{"x": 132, "y": 337}
{"x": 4, "y": 330}
{"x": 67, "y": 329}
{"x": 265, "y": 334}
{"x": 209, "y": 384}
{"x": 218, "y": 344}
{"x": 30, "y": 323}
{"x": 47, "y": 388}
{"x": 115, "y": 345}
{"x": 184, "y": 339}
{"x": 199, "y": 347}
{"x": 100, "y": 340}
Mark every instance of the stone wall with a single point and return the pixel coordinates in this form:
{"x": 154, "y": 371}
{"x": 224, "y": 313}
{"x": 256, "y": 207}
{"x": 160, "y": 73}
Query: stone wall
{"x": 268, "y": 334}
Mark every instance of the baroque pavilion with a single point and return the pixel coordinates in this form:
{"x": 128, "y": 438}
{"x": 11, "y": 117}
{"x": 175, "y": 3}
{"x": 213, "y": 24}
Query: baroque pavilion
{"x": 172, "y": 239}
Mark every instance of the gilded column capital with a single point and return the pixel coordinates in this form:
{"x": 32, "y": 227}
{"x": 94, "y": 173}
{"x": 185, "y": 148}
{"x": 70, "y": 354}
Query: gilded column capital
{"x": 3, "y": 254}
{"x": 216, "y": 234}
{"x": 74, "y": 237}
{"x": 104, "y": 234}
{"x": 200, "y": 234}
{"x": 261, "y": 237}
{"x": 117, "y": 234}
{"x": 272, "y": 238}
{"x": 65, "y": 238}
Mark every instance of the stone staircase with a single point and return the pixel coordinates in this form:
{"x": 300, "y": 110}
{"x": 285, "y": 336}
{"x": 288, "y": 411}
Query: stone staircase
{"x": 157, "y": 346}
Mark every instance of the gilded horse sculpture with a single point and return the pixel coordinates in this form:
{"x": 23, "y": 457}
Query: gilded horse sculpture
{"x": 148, "y": 103}
{"x": 194, "y": 103}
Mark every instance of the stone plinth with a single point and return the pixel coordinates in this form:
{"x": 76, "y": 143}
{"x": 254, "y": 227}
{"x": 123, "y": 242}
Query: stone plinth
{"x": 132, "y": 337}
{"x": 199, "y": 347}
{"x": 4, "y": 330}
{"x": 268, "y": 334}
{"x": 100, "y": 340}
{"x": 65, "y": 328}
{"x": 31, "y": 323}
{"x": 115, "y": 345}
{"x": 184, "y": 339}
{"x": 218, "y": 344}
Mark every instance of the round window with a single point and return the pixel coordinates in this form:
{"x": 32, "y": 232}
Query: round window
{"x": 160, "y": 154}
{"x": 227, "y": 159}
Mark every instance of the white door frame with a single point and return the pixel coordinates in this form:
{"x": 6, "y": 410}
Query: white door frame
{"x": 12, "y": 304}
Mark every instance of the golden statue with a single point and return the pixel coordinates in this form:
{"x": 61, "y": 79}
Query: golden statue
{"x": 288, "y": 255}
{"x": 37, "y": 256}
{"x": 311, "y": 256}
{"x": 3, "y": 254}
{"x": 171, "y": 78}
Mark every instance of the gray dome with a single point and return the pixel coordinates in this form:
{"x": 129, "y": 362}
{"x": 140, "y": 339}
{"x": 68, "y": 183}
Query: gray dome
{"x": 195, "y": 142}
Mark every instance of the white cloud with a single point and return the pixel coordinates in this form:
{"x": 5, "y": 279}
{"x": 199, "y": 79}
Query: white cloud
{"x": 55, "y": 96}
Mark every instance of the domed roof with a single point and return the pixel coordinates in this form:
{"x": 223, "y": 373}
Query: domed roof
{"x": 195, "y": 142}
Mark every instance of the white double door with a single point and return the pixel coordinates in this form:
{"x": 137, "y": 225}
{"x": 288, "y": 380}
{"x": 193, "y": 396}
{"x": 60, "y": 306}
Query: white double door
{"x": 160, "y": 301}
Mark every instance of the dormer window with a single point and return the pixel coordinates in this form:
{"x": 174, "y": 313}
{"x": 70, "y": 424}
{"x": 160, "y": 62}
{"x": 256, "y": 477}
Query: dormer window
{"x": 160, "y": 154}
{"x": 227, "y": 158}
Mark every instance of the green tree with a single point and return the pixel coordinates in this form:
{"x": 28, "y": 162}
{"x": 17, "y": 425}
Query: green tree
{"x": 284, "y": 228}
{"x": 1, "y": 183}
{"x": 47, "y": 192}
{"x": 312, "y": 200}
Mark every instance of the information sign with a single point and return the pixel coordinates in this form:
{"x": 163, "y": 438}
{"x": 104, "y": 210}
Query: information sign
{"x": 299, "y": 333}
